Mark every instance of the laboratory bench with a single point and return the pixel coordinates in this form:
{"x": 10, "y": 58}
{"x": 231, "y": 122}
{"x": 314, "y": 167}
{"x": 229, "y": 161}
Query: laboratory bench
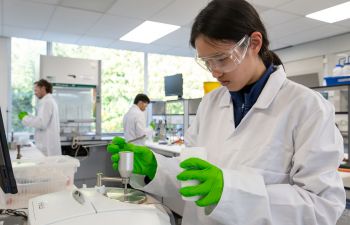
{"x": 98, "y": 160}
{"x": 86, "y": 140}
{"x": 27, "y": 152}
{"x": 94, "y": 157}
{"x": 165, "y": 149}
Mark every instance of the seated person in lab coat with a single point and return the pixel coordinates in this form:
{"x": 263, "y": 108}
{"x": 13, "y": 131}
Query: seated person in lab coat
{"x": 46, "y": 121}
{"x": 272, "y": 146}
{"x": 134, "y": 121}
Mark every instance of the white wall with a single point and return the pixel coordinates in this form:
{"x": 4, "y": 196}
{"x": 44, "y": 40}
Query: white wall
{"x": 305, "y": 66}
{"x": 5, "y": 80}
{"x": 317, "y": 56}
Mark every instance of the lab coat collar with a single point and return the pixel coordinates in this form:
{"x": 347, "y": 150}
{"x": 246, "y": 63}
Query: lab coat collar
{"x": 268, "y": 93}
{"x": 271, "y": 88}
{"x": 47, "y": 96}
{"x": 226, "y": 99}
{"x": 136, "y": 108}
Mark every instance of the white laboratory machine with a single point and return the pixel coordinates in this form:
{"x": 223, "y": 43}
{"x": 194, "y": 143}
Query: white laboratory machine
{"x": 88, "y": 206}
{"x": 93, "y": 205}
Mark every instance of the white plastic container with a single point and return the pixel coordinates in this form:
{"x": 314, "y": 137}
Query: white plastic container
{"x": 189, "y": 152}
{"x": 338, "y": 70}
{"x": 36, "y": 177}
{"x": 346, "y": 69}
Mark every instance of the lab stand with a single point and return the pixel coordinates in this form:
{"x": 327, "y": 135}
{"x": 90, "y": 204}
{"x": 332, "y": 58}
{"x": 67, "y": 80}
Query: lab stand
{"x": 339, "y": 96}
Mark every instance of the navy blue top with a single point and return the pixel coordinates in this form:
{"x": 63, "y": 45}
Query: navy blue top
{"x": 244, "y": 99}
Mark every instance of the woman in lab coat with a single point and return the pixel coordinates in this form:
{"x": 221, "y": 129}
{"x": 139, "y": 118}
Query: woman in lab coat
{"x": 46, "y": 121}
{"x": 272, "y": 146}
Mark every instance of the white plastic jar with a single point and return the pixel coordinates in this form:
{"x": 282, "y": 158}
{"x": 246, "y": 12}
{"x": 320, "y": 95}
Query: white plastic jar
{"x": 338, "y": 70}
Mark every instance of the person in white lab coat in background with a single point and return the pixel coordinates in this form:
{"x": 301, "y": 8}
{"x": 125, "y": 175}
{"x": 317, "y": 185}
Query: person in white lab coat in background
{"x": 134, "y": 121}
{"x": 272, "y": 145}
{"x": 46, "y": 121}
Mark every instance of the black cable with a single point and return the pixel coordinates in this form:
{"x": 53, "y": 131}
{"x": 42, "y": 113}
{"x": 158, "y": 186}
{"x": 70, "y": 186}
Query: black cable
{"x": 14, "y": 212}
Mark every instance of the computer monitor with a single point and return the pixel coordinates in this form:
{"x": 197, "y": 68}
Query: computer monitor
{"x": 173, "y": 85}
{"x": 7, "y": 179}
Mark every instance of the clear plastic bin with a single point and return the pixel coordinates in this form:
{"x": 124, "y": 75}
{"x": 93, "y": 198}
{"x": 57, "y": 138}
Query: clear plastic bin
{"x": 38, "y": 177}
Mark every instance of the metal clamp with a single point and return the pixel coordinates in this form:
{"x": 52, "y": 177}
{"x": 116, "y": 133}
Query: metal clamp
{"x": 101, "y": 178}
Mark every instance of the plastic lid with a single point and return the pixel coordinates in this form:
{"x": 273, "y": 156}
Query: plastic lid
{"x": 49, "y": 161}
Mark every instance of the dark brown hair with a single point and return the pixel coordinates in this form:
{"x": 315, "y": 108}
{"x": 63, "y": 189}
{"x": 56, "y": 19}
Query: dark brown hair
{"x": 232, "y": 20}
{"x": 142, "y": 98}
{"x": 44, "y": 83}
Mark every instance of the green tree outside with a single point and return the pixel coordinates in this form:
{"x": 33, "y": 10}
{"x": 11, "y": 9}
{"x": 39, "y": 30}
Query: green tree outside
{"x": 25, "y": 58}
{"x": 122, "y": 77}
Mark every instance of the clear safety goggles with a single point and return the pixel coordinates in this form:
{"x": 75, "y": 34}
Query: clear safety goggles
{"x": 226, "y": 62}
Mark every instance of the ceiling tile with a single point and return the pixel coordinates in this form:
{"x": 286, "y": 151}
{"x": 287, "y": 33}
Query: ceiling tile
{"x": 277, "y": 44}
{"x": 94, "y": 41}
{"x": 1, "y": 15}
{"x": 153, "y": 48}
{"x": 72, "y": 21}
{"x": 113, "y": 26}
{"x": 274, "y": 17}
{"x": 184, "y": 51}
{"x": 177, "y": 38}
{"x": 60, "y": 37}
{"x": 138, "y": 9}
{"x": 91, "y": 5}
{"x": 268, "y": 3}
{"x": 126, "y": 45}
{"x": 260, "y": 9}
{"x": 51, "y": 2}
{"x": 11, "y": 31}
{"x": 302, "y": 7}
{"x": 83, "y": 21}
{"x": 177, "y": 14}
{"x": 295, "y": 26}
{"x": 26, "y": 14}
{"x": 344, "y": 23}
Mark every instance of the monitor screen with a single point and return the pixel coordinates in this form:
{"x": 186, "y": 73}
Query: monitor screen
{"x": 173, "y": 85}
{"x": 7, "y": 179}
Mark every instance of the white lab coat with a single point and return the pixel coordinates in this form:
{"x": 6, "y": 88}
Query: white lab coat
{"x": 134, "y": 123}
{"x": 279, "y": 165}
{"x": 47, "y": 126}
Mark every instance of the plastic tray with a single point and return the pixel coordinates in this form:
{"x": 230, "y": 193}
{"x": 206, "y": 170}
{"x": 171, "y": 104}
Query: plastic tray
{"x": 337, "y": 80}
{"x": 38, "y": 177}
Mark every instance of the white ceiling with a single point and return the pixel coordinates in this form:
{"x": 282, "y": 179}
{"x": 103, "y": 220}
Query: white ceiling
{"x": 102, "y": 22}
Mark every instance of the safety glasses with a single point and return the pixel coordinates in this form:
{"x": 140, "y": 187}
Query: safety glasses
{"x": 226, "y": 62}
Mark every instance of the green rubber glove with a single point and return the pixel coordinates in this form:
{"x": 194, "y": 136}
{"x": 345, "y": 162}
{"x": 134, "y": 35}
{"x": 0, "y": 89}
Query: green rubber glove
{"x": 152, "y": 125}
{"x": 211, "y": 178}
{"x": 21, "y": 115}
{"x": 144, "y": 161}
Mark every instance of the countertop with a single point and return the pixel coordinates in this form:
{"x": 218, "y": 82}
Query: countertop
{"x": 31, "y": 152}
{"x": 168, "y": 150}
